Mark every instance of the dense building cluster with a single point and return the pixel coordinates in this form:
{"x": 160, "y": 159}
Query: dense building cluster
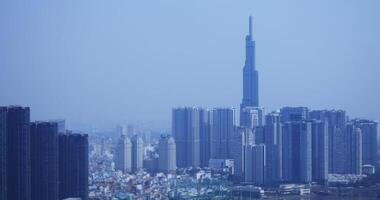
{"x": 40, "y": 160}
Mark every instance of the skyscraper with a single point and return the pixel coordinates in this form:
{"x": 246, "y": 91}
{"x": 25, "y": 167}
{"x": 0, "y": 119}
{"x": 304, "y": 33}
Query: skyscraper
{"x": 296, "y": 145}
{"x": 337, "y": 138}
{"x": 354, "y": 152}
{"x": 123, "y": 154}
{"x": 3, "y": 153}
{"x": 18, "y": 150}
{"x": 243, "y": 136}
{"x": 73, "y": 166}
{"x": 205, "y": 120}
{"x": 186, "y": 123}
{"x": 167, "y": 157}
{"x": 319, "y": 132}
{"x": 222, "y": 129}
{"x": 273, "y": 145}
{"x": 370, "y": 135}
{"x": 255, "y": 164}
{"x": 250, "y": 74}
{"x": 137, "y": 153}
{"x": 44, "y": 160}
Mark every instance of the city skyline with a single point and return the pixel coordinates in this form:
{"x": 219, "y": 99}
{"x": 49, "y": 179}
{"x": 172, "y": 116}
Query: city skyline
{"x": 104, "y": 72}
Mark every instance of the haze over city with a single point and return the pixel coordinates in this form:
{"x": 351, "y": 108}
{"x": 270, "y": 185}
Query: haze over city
{"x": 102, "y": 63}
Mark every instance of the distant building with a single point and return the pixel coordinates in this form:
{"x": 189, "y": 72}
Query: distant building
{"x": 255, "y": 164}
{"x": 73, "y": 166}
{"x": 337, "y": 139}
{"x": 242, "y": 136}
{"x": 205, "y": 124}
{"x": 137, "y": 153}
{"x": 167, "y": 155}
{"x": 273, "y": 145}
{"x": 370, "y": 140}
{"x": 186, "y": 127}
{"x": 355, "y": 150}
{"x": 250, "y": 74}
{"x": 123, "y": 154}
{"x": 44, "y": 160}
{"x": 222, "y": 129}
{"x": 288, "y": 114}
{"x": 296, "y": 149}
{"x": 319, "y": 132}
{"x": 18, "y": 153}
{"x": 252, "y": 117}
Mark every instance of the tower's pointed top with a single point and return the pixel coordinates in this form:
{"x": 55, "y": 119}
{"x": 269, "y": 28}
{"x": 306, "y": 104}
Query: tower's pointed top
{"x": 250, "y": 26}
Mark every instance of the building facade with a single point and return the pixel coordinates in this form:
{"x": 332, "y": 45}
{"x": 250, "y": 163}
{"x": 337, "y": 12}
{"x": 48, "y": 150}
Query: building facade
{"x": 123, "y": 154}
{"x": 250, "y": 74}
{"x": 167, "y": 155}
{"x": 296, "y": 149}
{"x": 18, "y": 153}
{"x": 44, "y": 160}
{"x": 320, "y": 151}
{"x": 73, "y": 166}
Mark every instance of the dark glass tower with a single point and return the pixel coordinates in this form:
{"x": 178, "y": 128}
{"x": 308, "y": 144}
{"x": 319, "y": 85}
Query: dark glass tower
{"x": 250, "y": 74}
{"x": 44, "y": 160}
{"x": 73, "y": 166}
{"x": 3, "y": 152}
{"x": 18, "y": 147}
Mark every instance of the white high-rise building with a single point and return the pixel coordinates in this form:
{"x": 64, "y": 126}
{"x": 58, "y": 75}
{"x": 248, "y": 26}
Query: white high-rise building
{"x": 123, "y": 155}
{"x": 167, "y": 155}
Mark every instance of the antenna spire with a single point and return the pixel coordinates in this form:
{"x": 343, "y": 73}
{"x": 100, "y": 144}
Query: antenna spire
{"x": 250, "y": 26}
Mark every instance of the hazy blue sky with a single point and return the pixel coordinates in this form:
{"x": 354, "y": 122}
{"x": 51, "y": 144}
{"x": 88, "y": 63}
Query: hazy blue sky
{"x": 104, "y": 62}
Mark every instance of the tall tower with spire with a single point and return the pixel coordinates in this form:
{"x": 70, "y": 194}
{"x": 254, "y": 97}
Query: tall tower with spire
{"x": 250, "y": 74}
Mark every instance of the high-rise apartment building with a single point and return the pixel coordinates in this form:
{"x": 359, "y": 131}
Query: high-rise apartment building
{"x": 186, "y": 126}
{"x": 337, "y": 138}
{"x": 167, "y": 155}
{"x": 273, "y": 145}
{"x": 288, "y": 114}
{"x": 123, "y": 154}
{"x": 73, "y": 166}
{"x": 243, "y": 136}
{"x": 137, "y": 153}
{"x": 296, "y": 150}
{"x": 370, "y": 140}
{"x": 221, "y": 131}
{"x": 319, "y": 134}
{"x": 44, "y": 160}
{"x": 255, "y": 164}
{"x": 18, "y": 153}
